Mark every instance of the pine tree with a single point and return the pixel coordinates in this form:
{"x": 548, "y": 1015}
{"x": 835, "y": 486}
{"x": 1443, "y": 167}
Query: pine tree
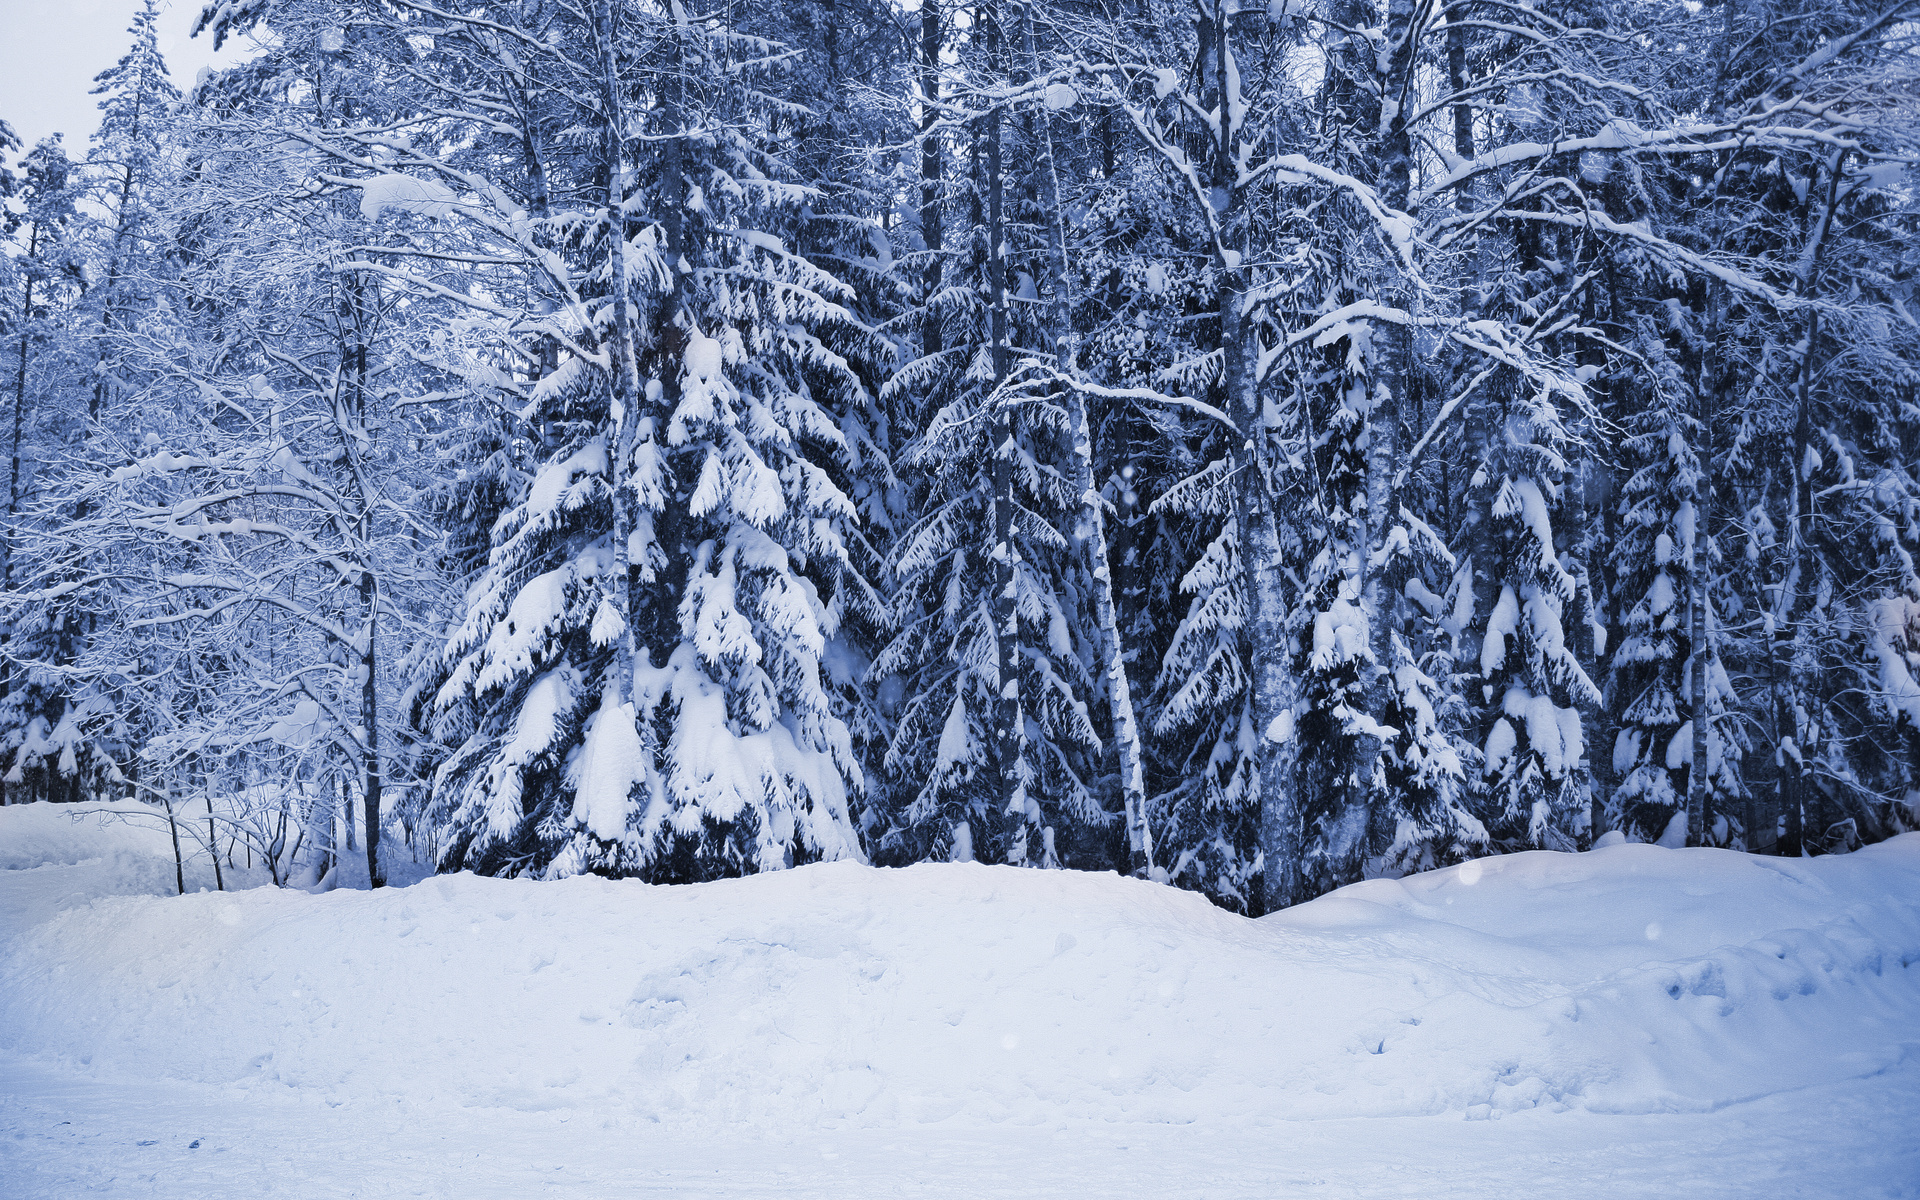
{"x": 47, "y": 755}
{"x": 1532, "y": 787}
{"x": 138, "y": 99}
{"x": 995, "y": 745}
{"x": 685, "y": 516}
{"x": 1661, "y": 547}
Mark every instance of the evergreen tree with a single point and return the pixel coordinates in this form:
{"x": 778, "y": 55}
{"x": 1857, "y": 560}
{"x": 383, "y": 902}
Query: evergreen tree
{"x": 138, "y": 98}
{"x": 684, "y": 517}
{"x": 47, "y": 755}
{"x": 1531, "y": 790}
{"x": 994, "y": 745}
{"x": 1659, "y": 551}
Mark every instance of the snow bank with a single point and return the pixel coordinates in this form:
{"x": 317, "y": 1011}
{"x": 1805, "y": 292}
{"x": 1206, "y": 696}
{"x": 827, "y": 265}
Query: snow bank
{"x": 1631, "y": 979}
{"x": 55, "y": 855}
{"x": 38, "y": 835}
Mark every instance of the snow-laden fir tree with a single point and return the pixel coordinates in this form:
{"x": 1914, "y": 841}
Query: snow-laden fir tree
{"x": 137, "y": 105}
{"x": 1381, "y": 782}
{"x": 844, "y": 147}
{"x": 639, "y": 668}
{"x": 1203, "y": 823}
{"x": 993, "y": 751}
{"x": 1661, "y": 551}
{"x": 1531, "y": 788}
{"x": 46, "y": 751}
{"x": 54, "y": 730}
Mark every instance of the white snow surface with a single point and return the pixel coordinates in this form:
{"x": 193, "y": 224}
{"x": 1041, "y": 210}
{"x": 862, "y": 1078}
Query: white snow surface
{"x": 1652, "y": 1021}
{"x": 405, "y": 193}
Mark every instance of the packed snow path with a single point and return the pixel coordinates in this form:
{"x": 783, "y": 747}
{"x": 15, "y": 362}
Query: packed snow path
{"x": 1633, "y": 1021}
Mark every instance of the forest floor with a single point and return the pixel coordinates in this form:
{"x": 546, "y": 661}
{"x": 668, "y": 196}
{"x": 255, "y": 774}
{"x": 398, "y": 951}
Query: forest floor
{"x": 1635, "y": 1021}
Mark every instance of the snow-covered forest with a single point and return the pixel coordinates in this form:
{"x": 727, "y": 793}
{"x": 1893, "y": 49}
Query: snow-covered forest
{"x": 1441, "y": 477}
{"x": 1255, "y": 448}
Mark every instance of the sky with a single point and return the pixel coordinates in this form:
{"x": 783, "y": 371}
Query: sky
{"x": 50, "y": 50}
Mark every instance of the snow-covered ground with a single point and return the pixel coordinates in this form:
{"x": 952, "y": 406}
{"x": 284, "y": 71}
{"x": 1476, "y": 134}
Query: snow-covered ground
{"x": 1636, "y": 1021}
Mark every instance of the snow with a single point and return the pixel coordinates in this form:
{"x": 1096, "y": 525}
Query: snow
{"x": 1339, "y": 635}
{"x": 1533, "y": 511}
{"x": 718, "y": 769}
{"x": 611, "y": 762}
{"x": 954, "y": 737}
{"x": 1660, "y": 594}
{"x": 962, "y": 1030}
{"x": 548, "y": 700}
{"x": 705, "y": 393}
{"x": 1573, "y": 740}
{"x": 556, "y": 480}
{"x": 1680, "y": 747}
{"x": 537, "y": 610}
{"x": 1544, "y": 734}
{"x": 404, "y": 193}
{"x": 1674, "y": 836}
{"x": 1893, "y": 635}
{"x": 703, "y": 357}
{"x": 301, "y": 728}
{"x": 1501, "y": 740}
{"x": 1501, "y": 624}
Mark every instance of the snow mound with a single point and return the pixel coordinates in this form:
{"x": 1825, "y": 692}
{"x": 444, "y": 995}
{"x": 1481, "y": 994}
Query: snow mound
{"x": 1634, "y": 979}
{"x": 56, "y": 855}
{"x": 40, "y": 835}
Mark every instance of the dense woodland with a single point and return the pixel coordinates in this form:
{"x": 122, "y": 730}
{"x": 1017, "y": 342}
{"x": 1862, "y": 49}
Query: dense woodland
{"x": 1252, "y": 447}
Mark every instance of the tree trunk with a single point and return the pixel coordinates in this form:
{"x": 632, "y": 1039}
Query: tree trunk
{"x": 19, "y": 418}
{"x": 931, "y": 234}
{"x": 1005, "y": 613}
{"x": 1699, "y": 573}
{"x": 365, "y": 649}
{"x": 1126, "y": 728}
{"x": 1274, "y": 686}
{"x": 620, "y": 355}
{"x": 1389, "y": 371}
{"x": 179, "y": 867}
{"x": 370, "y": 722}
{"x": 1802, "y": 569}
{"x": 539, "y": 203}
{"x": 213, "y": 836}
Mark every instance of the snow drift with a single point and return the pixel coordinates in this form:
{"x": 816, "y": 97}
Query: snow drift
{"x": 1632, "y": 979}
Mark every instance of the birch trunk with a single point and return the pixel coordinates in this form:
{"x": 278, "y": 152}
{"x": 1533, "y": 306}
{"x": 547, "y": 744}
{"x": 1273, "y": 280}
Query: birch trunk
{"x": 1093, "y": 523}
{"x": 1389, "y": 370}
{"x": 1802, "y": 585}
{"x": 1273, "y": 681}
{"x": 620, "y": 355}
{"x": 1005, "y": 613}
{"x": 351, "y": 420}
{"x": 1273, "y": 685}
{"x": 1699, "y": 569}
{"x": 931, "y": 234}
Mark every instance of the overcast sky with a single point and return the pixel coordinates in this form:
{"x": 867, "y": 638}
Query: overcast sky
{"x": 50, "y": 50}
